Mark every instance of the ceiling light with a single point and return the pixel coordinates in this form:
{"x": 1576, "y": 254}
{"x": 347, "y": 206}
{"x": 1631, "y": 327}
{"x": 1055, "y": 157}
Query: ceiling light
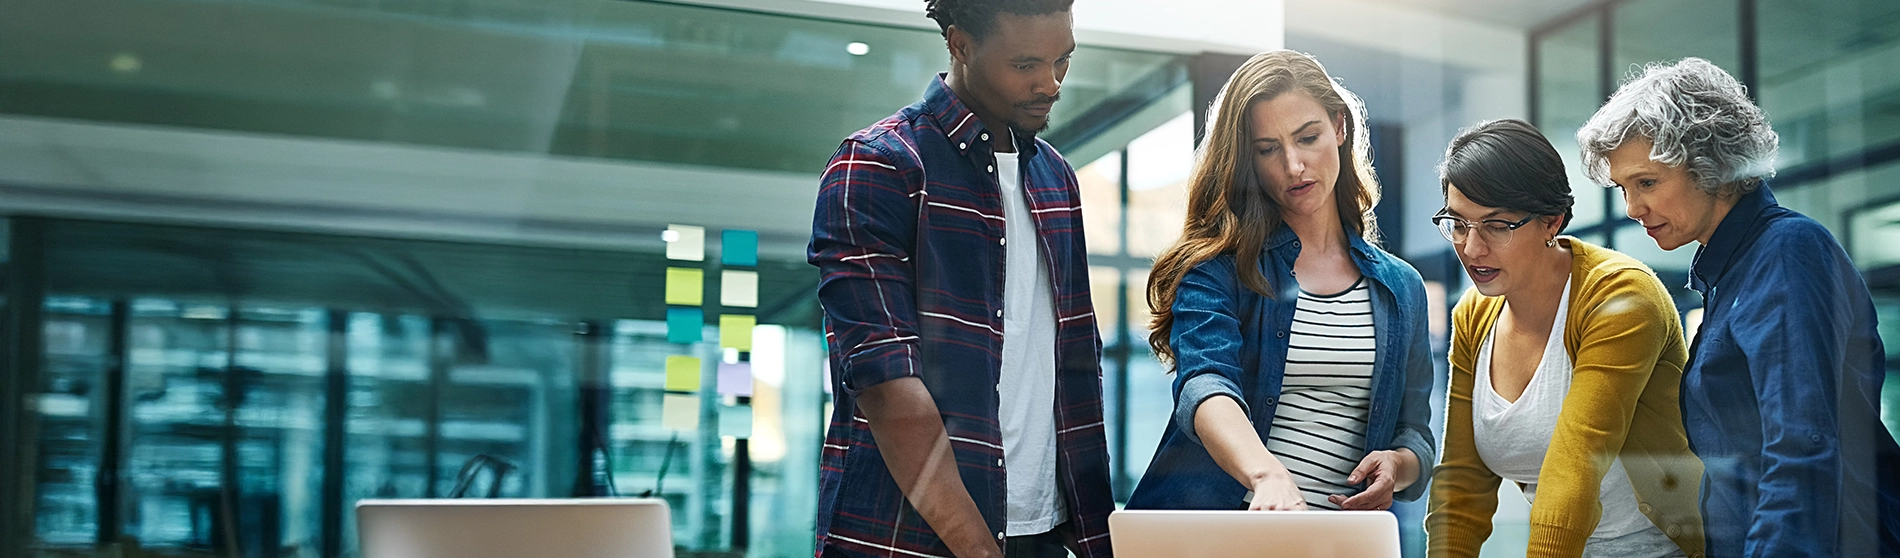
{"x": 125, "y": 63}
{"x": 670, "y": 235}
{"x": 858, "y": 49}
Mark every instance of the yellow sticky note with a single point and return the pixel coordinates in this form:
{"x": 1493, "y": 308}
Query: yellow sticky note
{"x": 739, "y": 289}
{"x": 684, "y": 286}
{"x": 679, "y": 412}
{"x": 735, "y": 331}
{"x": 682, "y": 373}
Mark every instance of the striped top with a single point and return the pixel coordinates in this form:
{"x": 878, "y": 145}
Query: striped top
{"x": 1319, "y": 427}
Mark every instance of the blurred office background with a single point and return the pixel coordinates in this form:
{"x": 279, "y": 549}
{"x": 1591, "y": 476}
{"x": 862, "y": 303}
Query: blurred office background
{"x": 260, "y": 259}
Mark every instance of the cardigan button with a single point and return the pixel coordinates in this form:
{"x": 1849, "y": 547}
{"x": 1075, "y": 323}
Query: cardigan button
{"x": 1673, "y": 530}
{"x": 1643, "y": 508}
{"x": 1280, "y": 334}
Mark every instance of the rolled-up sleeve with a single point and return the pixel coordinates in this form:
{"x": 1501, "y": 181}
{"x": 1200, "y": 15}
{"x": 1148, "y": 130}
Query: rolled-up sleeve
{"x": 863, "y": 229}
{"x": 1206, "y": 341}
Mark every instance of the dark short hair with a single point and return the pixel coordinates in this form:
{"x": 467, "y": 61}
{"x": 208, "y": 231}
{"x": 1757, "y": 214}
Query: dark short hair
{"x": 1508, "y": 164}
{"x": 978, "y": 17}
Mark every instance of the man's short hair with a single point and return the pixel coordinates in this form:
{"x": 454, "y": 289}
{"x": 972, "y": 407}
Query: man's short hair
{"x": 978, "y": 17}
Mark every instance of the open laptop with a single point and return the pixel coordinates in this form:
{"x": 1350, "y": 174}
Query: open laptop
{"x": 515, "y": 528}
{"x": 1250, "y": 534}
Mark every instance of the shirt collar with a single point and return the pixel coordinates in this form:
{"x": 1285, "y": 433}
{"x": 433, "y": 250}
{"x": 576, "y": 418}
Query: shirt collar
{"x": 1283, "y": 235}
{"x": 961, "y": 125}
{"x": 1713, "y": 259}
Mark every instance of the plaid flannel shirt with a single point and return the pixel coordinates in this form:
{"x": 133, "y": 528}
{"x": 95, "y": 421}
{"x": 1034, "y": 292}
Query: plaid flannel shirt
{"x": 908, "y": 237}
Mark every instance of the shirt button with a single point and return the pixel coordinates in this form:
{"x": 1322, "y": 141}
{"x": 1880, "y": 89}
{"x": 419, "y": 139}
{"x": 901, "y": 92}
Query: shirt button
{"x": 999, "y": 313}
{"x": 1815, "y": 437}
{"x": 1281, "y": 334}
{"x": 999, "y": 535}
{"x": 999, "y": 462}
{"x": 1002, "y": 242}
{"x": 961, "y": 145}
{"x": 991, "y": 168}
{"x": 985, "y": 136}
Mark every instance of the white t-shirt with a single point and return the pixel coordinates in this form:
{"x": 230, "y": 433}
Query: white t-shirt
{"x": 1027, "y": 392}
{"x": 1512, "y": 438}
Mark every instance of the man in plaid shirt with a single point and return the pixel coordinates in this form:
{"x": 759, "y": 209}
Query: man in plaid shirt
{"x": 965, "y": 358}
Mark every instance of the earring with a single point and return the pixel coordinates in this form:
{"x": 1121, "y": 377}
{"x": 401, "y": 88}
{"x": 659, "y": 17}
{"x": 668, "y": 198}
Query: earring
{"x": 1552, "y": 243}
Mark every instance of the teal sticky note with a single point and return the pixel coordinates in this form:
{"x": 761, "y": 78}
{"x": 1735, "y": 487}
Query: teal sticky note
{"x": 739, "y": 248}
{"x": 685, "y": 325}
{"x": 735, "y": 421}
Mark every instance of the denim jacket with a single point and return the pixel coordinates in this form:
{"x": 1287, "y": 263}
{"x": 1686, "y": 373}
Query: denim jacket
{"x": 1781, "y": 395}
{"x": 1229, "y": 340}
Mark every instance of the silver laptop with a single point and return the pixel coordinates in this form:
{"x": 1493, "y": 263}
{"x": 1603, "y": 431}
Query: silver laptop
{"x": 1250, "y": 534}
{"x": 510, "y": 528}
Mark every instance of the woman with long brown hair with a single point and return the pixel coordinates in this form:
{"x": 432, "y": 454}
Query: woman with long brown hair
{"x": 1302, "y": 371}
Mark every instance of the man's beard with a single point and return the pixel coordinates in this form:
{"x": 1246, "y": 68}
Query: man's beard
{"x": 1046, "y": 100}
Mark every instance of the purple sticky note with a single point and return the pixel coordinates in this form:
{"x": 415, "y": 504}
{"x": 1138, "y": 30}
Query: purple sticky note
{"x": 735, "y": 379}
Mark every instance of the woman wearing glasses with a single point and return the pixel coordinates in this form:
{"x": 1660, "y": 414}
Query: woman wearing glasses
{"x": 1302, "y": 366}
{"x": 1565, "y": 364}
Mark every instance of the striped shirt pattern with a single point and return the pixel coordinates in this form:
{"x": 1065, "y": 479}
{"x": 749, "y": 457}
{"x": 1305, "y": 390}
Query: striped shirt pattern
{"x": 909, "y": 239}
{"x": 1319, "y": 428}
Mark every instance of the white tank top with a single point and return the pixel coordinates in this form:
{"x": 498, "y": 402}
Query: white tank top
{"x": 1512, "y": 439}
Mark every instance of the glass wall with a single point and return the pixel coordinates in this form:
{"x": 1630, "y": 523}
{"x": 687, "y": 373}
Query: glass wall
{"x": 283, "y": 256}
{"x": 227, "y": 410}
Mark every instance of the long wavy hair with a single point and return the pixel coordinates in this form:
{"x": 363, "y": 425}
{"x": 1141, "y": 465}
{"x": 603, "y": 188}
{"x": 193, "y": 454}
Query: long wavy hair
{"x": 1229, "y": 210}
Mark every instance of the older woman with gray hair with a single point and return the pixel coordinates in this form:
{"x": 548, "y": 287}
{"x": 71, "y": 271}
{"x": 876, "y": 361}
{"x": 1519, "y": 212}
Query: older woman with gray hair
{"x": 1781, "y": 394}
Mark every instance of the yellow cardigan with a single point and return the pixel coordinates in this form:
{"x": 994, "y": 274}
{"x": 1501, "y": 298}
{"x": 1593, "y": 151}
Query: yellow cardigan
{"x": 1626, "y": 342}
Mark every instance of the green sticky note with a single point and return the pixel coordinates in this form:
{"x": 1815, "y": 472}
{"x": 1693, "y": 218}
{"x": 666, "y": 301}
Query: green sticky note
{"x": 739, "y": 248}
{"x": 684, "y": 286}
{"x": 679, "y": 412}
{"x": 735, "y": 421}
{"x": 685, "y": 325}
{"x": 735, "y": 331}
{"x": 682, "y": 373}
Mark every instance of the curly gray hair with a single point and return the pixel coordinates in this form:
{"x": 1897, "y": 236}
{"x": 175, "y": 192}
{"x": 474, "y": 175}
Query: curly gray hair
{"x": 1696, "y": 116}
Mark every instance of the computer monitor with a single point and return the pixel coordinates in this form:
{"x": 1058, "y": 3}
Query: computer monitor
{"x": 1253, "y": 534}
{"x": 515, "y": 528}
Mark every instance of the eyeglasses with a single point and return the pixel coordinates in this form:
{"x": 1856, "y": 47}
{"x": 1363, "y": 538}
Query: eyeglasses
{"x": 1496, "y": 232}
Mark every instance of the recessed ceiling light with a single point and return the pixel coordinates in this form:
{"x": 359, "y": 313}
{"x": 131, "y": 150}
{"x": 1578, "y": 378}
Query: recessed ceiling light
{"x": 857, "y": 49}
{"x": 670, "y": 235}
{"x": 125, "y": 63}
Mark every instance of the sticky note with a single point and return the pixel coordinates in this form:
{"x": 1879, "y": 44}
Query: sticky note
{"x": 679, "y": 411}
{"x": 682, "y": 373}
{"x": 735, "y": 331}
{"x": 739, "y": 289}
{"x": 685, "y": 325}
{"x": 739, "y": 247}
{"x": 684, "y": 286}
{"x": 735, "y": 379}
{"x": 735, "y": 421}
{"x": 685, "y": 242}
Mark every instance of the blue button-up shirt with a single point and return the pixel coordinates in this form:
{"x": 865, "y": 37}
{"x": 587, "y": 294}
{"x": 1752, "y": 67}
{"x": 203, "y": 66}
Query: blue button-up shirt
{"x": 908, "y": 239}
{"x": 1781, "y": 396}
{"x": 1231, "y": 341}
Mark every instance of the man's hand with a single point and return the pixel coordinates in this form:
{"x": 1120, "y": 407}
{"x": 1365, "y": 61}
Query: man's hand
{"x": 910, "y": 435}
